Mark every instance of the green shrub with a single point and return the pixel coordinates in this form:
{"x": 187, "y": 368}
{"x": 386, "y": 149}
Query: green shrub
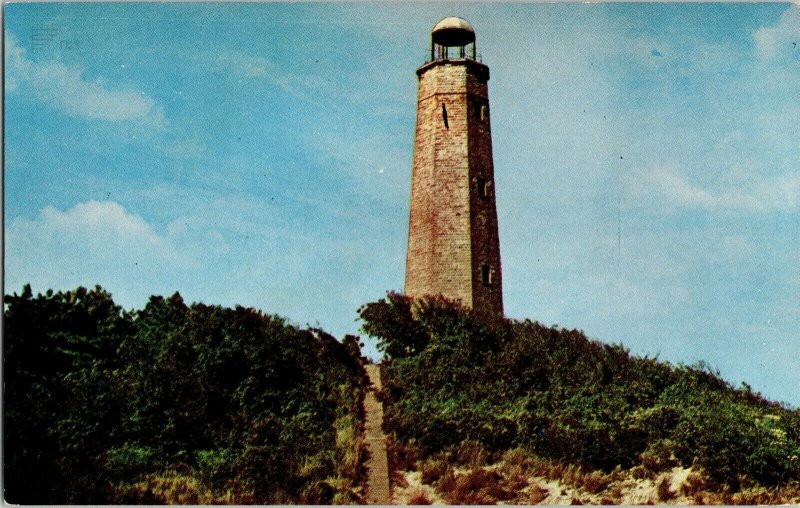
{"x": 455, "y": 382}
{"x": 174, "y": 403}
{"x": 659, "y": 455}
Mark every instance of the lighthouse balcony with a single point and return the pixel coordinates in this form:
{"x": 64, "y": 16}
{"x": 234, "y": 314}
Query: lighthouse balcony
{"x": 453, "y": 54}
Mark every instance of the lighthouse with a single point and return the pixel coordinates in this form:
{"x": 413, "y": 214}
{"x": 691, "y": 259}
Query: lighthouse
{"x": 453, "y": 239}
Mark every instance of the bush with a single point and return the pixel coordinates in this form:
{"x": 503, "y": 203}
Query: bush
{"x": 419, "y": 497}
{"x": 472, "y": 454}
{"x": 477, "y": 487}
{"x": 538, "y": 494}
{"x": 594, "y": 482}
{"x": 174, "y": 403}
{"x": 659, "y": 456}
{"x": 433, "y": 469}
{"x": 457, "y": 385}
{"x": 664, "y": 489}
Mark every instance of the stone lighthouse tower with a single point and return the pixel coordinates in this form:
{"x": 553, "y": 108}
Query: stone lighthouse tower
{"x": 453, "y": 242}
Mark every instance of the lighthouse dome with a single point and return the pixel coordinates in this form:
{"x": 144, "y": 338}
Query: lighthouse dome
{"x": 453, "y": 31}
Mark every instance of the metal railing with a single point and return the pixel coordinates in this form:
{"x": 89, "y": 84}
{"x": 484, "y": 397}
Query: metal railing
{"x": 452, "y": 55}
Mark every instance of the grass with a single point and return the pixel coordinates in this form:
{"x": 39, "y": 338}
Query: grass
{"x": 419, "y": 497}
{"x": 486, "y": 409}
{"x": 694, "y": 483}
{"x": 515, "y": 478}
{"x": 174, "y": 488}
{"x": 538, "y": 494}
{"x": 351, "y": 450}
{"x": 664, "y": 489}
{"x": 472, "y": 454}
{"x": 433, "y": 469}
{"x": 401, "y": 456}
{"x": 478, "y": 486}
{"x": 594, "y": 482}
{"x": 476, "y": 391}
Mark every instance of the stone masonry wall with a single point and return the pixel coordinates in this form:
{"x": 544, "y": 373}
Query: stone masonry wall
{"x": 452, "y": 225}
{"x": 486, "y": 297}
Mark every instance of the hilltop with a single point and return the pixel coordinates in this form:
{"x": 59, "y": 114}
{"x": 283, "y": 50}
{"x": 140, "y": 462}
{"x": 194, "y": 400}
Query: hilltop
{"x": 201, "y": 404}
{"x": 488, "y": 412}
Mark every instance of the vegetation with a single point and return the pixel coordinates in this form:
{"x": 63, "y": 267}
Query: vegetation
{"x": 462, "y": 390}
{"x": 175, "y": 404}
{"x": 203, "y": 404}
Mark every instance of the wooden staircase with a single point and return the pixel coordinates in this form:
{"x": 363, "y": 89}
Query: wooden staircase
{"x": 377, "y": 464}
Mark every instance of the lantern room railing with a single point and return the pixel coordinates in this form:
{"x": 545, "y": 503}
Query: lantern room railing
{"x": 438, "y": 53}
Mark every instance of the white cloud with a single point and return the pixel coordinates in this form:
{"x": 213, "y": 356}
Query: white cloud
{"x": 93, "y": 242}
{"x": 242, "y": 65}
{"x": 65, "y": 88}
{"x": 736, "y": 190}
{"x": 771, "y": 42}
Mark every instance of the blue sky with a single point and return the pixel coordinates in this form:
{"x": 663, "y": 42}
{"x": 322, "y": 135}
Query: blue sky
{"x": 646, "y": 163}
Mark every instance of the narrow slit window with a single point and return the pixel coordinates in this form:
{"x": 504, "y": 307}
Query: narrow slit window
{"x": 476, "y": 110}
{"x": 444, "y": 116}
{"x": 484, "y": 188}
{"x": 486, "y": 275}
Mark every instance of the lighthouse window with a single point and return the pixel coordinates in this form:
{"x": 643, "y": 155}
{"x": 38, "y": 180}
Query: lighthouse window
{"x": 484, "y": 188}
{"x": 486, "y": 275}
{"x": 444, "y": 116}
{"x": 476, "y": 110}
